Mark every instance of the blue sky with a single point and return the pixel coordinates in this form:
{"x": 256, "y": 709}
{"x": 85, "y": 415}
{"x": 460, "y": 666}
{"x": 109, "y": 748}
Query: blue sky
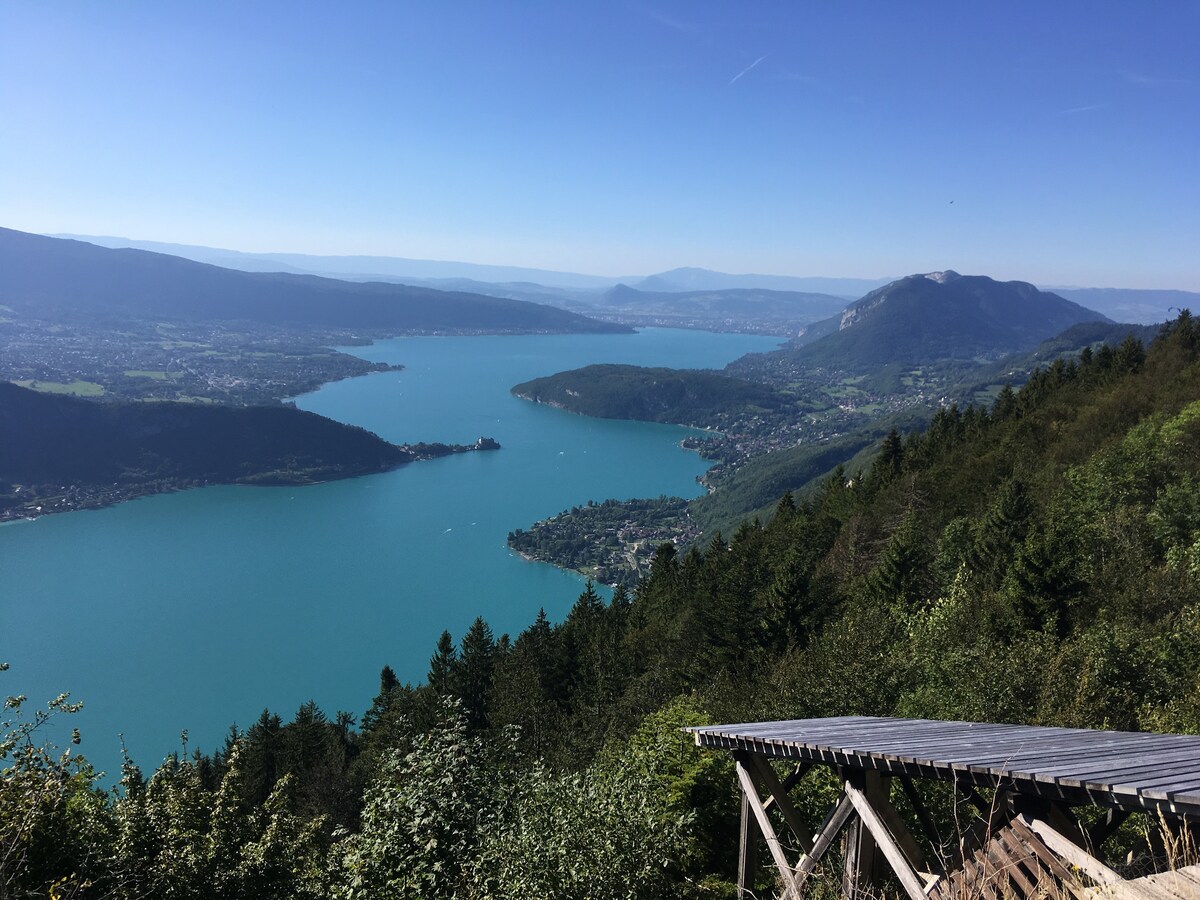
{"x": 1052, "y": 142}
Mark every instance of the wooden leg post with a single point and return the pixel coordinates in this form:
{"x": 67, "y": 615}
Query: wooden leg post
{"x": 861, "y": 868}
{"x": 747, "y": 851}
{"x": 787, "y": 874}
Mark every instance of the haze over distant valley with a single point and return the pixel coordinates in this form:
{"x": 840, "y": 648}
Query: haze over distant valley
{"x": 682, "y": 297}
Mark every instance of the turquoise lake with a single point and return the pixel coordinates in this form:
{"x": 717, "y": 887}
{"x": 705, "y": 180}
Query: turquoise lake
{"x": 198, "y": 609}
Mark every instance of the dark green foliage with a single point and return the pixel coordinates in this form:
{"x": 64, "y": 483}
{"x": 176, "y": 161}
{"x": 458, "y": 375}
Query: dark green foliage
{"x": 471, "y": 674}
{"x": 441, "y": 666}
{"x": 763, "y": 481}
{"x": 51, "y": 441}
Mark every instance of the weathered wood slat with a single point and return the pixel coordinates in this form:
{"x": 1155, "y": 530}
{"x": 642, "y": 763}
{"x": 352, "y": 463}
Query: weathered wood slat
{"x": 1122, "y": 769}
{"x": 1069, "y": 851}
{"x": 1053, "y": 865}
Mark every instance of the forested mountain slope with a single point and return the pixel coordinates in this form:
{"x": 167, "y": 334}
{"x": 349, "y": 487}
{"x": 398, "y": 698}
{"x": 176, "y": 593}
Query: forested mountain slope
{"x": 940, "y": 315}
{"x": 73, "y": 452}
{"x": 1035, "y": 562}
{"x": 50, "y": 277}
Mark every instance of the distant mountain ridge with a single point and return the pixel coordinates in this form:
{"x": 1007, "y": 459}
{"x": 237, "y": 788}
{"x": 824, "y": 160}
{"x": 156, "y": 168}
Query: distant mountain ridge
{"x": 425, "y": 271}
{"x": 696, "y": 279}
{"x": 1132, "y": 304}
{"x": 40, "y": 274}
{"x": 720, "y": 309}
{"x": 938, "y": 315}
{"x": 353, "y": 266}
{"x": 1122, "y": 304}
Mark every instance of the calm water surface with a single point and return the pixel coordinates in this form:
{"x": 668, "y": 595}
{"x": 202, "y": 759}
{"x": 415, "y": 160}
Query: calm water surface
{"x": 198, "y": 609}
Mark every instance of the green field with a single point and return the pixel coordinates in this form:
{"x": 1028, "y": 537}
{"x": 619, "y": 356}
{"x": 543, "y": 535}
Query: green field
{"x": 155, "y": 374}
{"x": 75, "y": 388}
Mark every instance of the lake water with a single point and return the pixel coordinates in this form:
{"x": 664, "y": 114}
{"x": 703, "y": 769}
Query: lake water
{"x": 198, "y": 609}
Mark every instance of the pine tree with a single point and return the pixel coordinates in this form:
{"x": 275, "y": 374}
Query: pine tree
{"x": 262, "y": 758}
{"x": 471, "y": 673}
{"x": 441, "y": 666}
{"x": 887, "y": 464}
{"x": 1001, "y": 532}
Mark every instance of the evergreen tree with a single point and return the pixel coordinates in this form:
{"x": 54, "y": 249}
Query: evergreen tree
{"x": 887, "y": 464}
{"x": 263, "y": 761}
{"x": 441, "y": 666}
{"x": 471, "y": 673}
{"x": 1001, "y": 532}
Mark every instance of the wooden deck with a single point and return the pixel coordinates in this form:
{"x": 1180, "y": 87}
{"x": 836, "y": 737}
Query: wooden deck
{"x": 1128, "y": 770}
{"x": 1026, "y": 842}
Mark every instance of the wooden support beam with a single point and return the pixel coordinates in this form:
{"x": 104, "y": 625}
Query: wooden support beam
{"x": 899, "y": 831}
{"x": 928, "y": 827}
{"x": 786, "y": 874}
{"x": 779, "y": 798}
{"x": 1106, "y": 827}
{"x": 869, "y": 816}
{"x": 747, "y": 852}
{"x": 973, "y": 797}
{"x": 802, "y": 769}
{"x": 861, "y": 859}
{"x": 835, "y": 820}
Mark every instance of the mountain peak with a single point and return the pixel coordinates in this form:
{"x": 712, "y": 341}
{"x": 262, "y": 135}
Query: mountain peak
{"x": 940, "y": 315}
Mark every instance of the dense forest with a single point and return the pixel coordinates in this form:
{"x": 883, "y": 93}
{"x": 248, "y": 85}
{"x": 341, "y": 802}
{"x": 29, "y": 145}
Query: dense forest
{"x": 59, "y": 453}
{"x": 1034, "y": 562}
{"x": 679, "y": 396}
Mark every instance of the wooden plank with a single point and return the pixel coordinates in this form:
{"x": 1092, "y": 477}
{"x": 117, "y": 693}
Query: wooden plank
{"x": 1121, "y": 769}
{"x": 1045, "y": 856}
{"x": 860, "y": 864}
{"x": 870, "y": 736}
{"x": 1105, "y": 771}
{"x": 1122, "y": 796}
{"x": 899, "y": 831}
{"x": 1175, "y": 885}
{"x": 1021, "y": 863}
{"x": 1071, "y": 852}
{"x": 909, "y": 880}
